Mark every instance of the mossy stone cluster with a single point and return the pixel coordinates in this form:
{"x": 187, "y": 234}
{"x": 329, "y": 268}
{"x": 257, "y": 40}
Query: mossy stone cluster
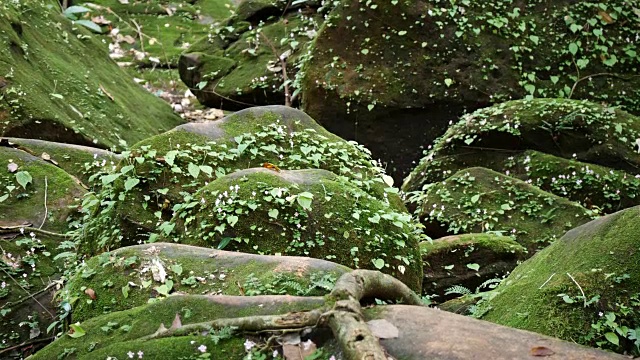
{"x": 578, "y": 150}
{"x": 50, "y": 90}
{"x": 239, "y": 63}
{"x": 582, "y": 288}
{"x": 310, "y": 213}
{"x": 423, "y": 64}
{"x": 164, "y": 171}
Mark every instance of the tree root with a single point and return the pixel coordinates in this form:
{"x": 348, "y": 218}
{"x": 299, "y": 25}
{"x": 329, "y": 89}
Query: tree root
{"x": 342, "y": 313}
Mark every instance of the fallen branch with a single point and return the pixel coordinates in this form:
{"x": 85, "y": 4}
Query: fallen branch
{"x": 283, "y": 65}
{"x": 46, "y": 211}
{"x": 14, "y": 229}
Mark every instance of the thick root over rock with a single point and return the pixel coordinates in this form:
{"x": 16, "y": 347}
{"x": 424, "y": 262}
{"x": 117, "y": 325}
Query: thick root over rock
{"x": 342, "y": 313}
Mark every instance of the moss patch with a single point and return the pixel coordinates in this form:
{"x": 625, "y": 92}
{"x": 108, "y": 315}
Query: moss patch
{"x": 545, "y": 294}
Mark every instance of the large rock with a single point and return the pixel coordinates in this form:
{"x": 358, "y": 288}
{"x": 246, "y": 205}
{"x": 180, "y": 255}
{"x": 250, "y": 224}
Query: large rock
{"x": 237, "y": 65}
{"x": 467, "y": 263}
{"x": 52, "y": 91}
{"x": 479, "y": 200}
{"x": 404, "y": 70}
{"x": 170, "y": 167}
{"x": 311, "y": 213}
{"x": 575, "y": 149}
{"x": 131, "y": 276}
{"x": 582, "y": 288}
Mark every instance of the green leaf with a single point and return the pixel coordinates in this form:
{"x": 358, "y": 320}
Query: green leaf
{"x": 378, "y": 263}
{"x": 194, "y": 170}
{"x": 505, "y": 207}
{"x": 170, "y": 157}
{"x": 273, "y": 213}
{"x": 612, "y": 338}
{"x": 611, "y": 61}
{"x": 4, "y": 197}
{"x": 206, "y": 169}
{"x": 232, "y": 220}
{"x": 176, "y": 268}
{"x": 370, "y": 107}
{"x": 448, "y": 82}
{"x": 108, "y": 179}
{"x": 78, "y": 331}
{"x": 402, "y": 33}
{"x": 374, "y": 219}
{"x": 131, "y": 183}
{"x": 554, "y": 79}
{"x": 534, "y": 39}
{"x": 23, "y": 178}
{"x": 619, "y": 128}
{"x": 449, "y": 267}
{"x": 126, "y": 169}
{"x": 75, "y": 10}
{"x": 474, "y": 267}
{"x": 90, "y": 25}
{"x": 364, "y": 51}
{"x": 125, "y": 291}
{"x": 224, "y": 242}
{"x": 573, "y": 48}
{"x": 475, "y": 198}
{"x": 305, "y": 199}
{"x": 387, "y": 180}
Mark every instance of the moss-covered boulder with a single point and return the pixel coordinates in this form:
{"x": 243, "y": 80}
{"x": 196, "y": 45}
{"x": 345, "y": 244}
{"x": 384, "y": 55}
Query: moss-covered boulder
{"x": 462, "y": 264}
{"x": 32, "y": 262}
{"x": 252, "y": 58}
{"x": 50, "y": 89}
{"x": 166, "y": 170}
{"x": 161, "y": 29}
{"x": 75, "y": 160}
{"x": 117, "y": 334}
{"x": 408, "y": 68}
{"x": 583, "y": 288}
{"x": 35, "y": 192}
{"x": 311, "y": 213}
{"x": 575, "y": 149}
{"x": 132, "y": 276}
{"x": 479, "y": 200}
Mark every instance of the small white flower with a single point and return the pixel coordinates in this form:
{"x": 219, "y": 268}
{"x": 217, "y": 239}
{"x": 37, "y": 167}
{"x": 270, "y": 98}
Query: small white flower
{"x": 140, "y": 353}
{"x": 275, "y": 353}
{"x": 248, "y": 344}
{"x": 130, "y": 354}
{"x": 202, "y": 348}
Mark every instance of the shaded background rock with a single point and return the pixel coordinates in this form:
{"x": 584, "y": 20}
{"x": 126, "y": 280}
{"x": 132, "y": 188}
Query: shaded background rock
{"x": 467, "y": 263}
{"x": 403, "y": 71}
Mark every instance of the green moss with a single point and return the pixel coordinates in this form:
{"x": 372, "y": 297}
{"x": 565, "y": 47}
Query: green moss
{"x": 124, "y": 278}
{"x": 478, "y": 199}
{"x": 145, "y": 320}
{"x": 296, "y": 213}
{"x": 54, "y": 93}
{"x": 495, "y": 243}
{"x": 25, "y": 206}
{"x": 545, "y": 294}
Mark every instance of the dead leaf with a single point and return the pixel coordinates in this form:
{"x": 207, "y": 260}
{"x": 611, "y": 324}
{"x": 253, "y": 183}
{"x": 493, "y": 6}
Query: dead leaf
{"x": 45, "y": 156}
{"x": 34, "y": 333}
{"x": 177, "y": 323}
{"x": 605, "y": 17}
{"x": 91, "y": 293}
{"x": 129, "y": 39}
{"x": 541, "y": 351}
{"x": 106, "y": 93}
{"x": 100, "y": 20}
{"x": 12, "y": 167}
{"x": 383, "y": 329}
{"x": 299, "y": 351}
{"x": 157, "y": 269}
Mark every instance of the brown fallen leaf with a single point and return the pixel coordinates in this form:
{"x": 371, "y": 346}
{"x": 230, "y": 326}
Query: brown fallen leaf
{"x": 100, "y": 20}
{"x": 91, "y": 293}
{"x": 605, "y": 17}
{"x": 177, "y": 323}
{"x": 541, "y": 351}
